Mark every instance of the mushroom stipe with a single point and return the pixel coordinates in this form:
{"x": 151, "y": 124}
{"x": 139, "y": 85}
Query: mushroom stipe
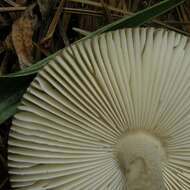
{"x": 108, "y": 113}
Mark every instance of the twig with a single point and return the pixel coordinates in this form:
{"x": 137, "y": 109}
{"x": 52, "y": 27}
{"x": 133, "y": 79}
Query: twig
{"x": 54, "y": 22}
{"x": 176, "y": 22}
{"x": 171, "y": 27}
{"x": 63, "y": 29}
{"x": 87, "y": 12}
{"x": 96, "y": 4}
{"x": 12, "y": 3}
{"x": 106, "y": 11}
{"x": 44, "y": 51}
{"x": 164, "y": 24}
{"x": 10, "y": 9}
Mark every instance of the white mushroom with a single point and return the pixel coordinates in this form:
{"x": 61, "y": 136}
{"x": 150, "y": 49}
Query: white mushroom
{"x": 111, "y": 112}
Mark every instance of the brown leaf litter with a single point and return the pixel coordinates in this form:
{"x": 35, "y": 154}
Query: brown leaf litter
{"x": 22, "y": 33}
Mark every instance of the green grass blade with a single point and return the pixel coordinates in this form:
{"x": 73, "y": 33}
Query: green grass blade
{"x": 11, "y": 91}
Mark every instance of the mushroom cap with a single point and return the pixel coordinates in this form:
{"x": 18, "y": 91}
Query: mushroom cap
{"x": 68, "y": 125}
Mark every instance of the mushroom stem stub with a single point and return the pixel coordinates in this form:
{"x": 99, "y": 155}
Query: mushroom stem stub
{"x": 140, "y": 156}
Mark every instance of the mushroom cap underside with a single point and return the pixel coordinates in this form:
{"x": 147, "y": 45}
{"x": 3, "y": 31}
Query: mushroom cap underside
{"x": 73, "y": 115}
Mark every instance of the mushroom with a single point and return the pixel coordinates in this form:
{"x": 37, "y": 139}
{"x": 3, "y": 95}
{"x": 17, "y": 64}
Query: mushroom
{"x": 111, "y": 112}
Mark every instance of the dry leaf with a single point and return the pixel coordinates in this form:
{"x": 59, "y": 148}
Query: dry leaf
{"x": 22, "y": 33}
